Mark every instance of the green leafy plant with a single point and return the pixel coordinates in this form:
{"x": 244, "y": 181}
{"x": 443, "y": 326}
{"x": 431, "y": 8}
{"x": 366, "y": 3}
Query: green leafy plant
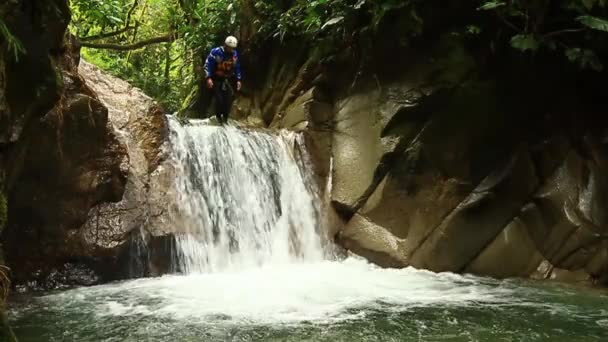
{"x": 14, "y": 45}
{"x": 577, "y": 27}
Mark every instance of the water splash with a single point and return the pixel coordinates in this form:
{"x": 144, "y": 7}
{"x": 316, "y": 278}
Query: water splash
{"x": 244, "y": 199}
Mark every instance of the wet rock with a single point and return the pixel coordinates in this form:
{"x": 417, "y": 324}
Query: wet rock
{"x": 361, "y": 148}
{"x": 78, "y": 158}
{"x": 142, "y": 125}
{"x": 67, "y": 163}
{"x": 512, "y": 254}
{"x": 63, "y": 277}
{"x": 373, "y": 242}
{"x": 412, "y": 197}
{"x": 477, "y": 220}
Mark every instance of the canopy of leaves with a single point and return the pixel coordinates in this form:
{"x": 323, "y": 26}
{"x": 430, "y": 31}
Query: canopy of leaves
{"x": 184, "y": 30}
{"x": 576, "y": 27}
{"x": 165, "y": 69}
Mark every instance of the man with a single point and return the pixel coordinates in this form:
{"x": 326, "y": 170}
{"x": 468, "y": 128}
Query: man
{"x": 221, "y": 67}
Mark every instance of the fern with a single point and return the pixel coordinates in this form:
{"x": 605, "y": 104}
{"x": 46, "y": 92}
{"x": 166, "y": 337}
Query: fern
{"x": 14, "y": 45}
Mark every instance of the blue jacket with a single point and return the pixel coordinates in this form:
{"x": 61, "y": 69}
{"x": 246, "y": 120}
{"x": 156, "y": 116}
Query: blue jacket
{"x": 221, "y": 64}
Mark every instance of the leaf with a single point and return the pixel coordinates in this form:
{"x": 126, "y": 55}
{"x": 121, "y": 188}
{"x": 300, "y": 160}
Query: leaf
{"x": 391, "y": 5}
{"x": 472, "y": 29}
{"x": 115, "y": 20}
{"x": 588, "y": 4}
{"x": 360, "y": 4}
{"x": 332, "y": 22}
{"x": 595, "y": 23}
{"x": 524, "y": 42}
{"x": 585, "y": 58}
{"x": 491, "y": 5}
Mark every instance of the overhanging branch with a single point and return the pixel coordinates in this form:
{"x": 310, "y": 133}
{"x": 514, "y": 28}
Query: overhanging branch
{"x": 117, "y": 32}
{"x": 156, "y": 40}
{"x": 106, "y": 35}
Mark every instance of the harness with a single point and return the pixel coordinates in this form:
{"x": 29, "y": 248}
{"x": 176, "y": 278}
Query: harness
{"x": 225, "y": 67}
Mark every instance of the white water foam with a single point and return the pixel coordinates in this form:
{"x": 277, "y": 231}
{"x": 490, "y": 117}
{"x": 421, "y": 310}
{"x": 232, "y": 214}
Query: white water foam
{"x": 321, "y": 292}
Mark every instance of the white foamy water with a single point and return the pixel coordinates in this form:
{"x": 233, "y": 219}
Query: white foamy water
{"x": 305, "y": 292}
{"x": 244, "y": 199}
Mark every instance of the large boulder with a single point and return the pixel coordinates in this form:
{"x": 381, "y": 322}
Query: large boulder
{"x": 62, "y": 165}
{"x": 80, "y": 158}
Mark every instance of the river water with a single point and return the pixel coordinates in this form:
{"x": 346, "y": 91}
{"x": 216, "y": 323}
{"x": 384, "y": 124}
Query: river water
{"x": 252, "y": 264}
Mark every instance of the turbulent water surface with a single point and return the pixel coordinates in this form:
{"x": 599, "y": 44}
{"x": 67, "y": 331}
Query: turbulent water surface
{"x": 251, "y": 264}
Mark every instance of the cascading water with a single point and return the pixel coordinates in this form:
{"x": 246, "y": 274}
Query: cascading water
{"x": 244, "y": 199}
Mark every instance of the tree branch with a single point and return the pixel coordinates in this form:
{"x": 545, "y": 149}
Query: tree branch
{"x": 556, "y": 33}
{"x": 117, "y": 32}
{"x": 170, "y": 37}
{"x": 106, "y": 35}
{"x": 131, "y": 10}
{"x": 507, "y": 22}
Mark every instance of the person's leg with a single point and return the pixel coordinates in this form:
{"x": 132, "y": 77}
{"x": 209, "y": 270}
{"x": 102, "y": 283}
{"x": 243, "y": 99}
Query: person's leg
{"x": 219, "y": 100}
{"x": 228, "y": 99}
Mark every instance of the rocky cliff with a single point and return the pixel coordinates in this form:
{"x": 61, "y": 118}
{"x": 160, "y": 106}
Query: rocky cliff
{"x": 445, "y": 157}
{"x": 78, "y": 152}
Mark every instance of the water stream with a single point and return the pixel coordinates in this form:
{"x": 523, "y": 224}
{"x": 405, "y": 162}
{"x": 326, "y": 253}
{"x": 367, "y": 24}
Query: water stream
{"x": 245, "y": 200}
{"x": 251, "y": 264}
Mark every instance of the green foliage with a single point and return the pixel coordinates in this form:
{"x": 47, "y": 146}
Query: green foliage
{"x": 576, "y": 27}
{"x": 525, "y": 42}
{"x": 310, "y": 18}
{"x": 585, "y": 58}
{"x": 14, "y": 45}
{"x": 473, "y": 29}
{"x": 594, "y": 22}
{"x": 490, "y": 5}
{"x": 95, "y": 15}
{"x": 165, "y": 71}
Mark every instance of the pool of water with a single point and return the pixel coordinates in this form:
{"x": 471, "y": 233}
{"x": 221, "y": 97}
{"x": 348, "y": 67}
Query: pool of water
{"x": 322, "y": 301}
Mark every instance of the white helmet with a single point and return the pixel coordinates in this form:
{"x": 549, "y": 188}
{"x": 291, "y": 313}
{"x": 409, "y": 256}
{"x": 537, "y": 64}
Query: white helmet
{"x": 231, "y": 42}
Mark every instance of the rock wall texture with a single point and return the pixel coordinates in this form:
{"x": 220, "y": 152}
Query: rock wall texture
{"x": 137, "y": 227}
{"x": 439, "y": 161}
{"x": 80, "y": 157}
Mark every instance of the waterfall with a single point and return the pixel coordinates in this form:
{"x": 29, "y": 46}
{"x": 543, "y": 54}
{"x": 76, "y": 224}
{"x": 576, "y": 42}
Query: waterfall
{"x": 244, "y": 198}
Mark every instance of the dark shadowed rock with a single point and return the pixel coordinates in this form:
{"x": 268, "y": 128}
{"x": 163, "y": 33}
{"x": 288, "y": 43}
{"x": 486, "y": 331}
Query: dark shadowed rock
{"x": 63, "y": 164}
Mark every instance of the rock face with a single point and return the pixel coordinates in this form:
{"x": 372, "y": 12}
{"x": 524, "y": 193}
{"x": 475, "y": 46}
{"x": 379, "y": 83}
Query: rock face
{"x": 59, "y": 154}
{"x": 59, "y": 237}
{"x": 70, "y": 160}
{"x": 80, "y": 158}
{"x": 436, "y": 167}
{"x": 116, "y": 229}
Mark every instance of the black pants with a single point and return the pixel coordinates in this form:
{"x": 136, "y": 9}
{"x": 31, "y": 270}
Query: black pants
{"x": 223, "y": 92}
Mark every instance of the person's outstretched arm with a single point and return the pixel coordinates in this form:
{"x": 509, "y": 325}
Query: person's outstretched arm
{"x": 210, "y": 67}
